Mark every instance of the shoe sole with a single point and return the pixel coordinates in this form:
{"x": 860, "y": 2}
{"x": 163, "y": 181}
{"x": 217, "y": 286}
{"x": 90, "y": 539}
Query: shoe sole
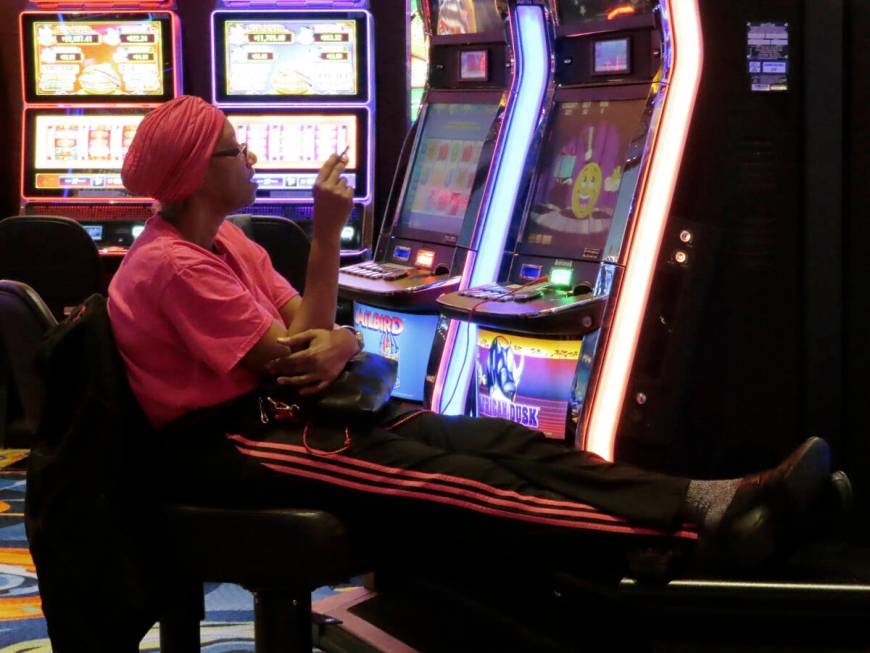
{"x": 805, "y": 481}
{"x": 808, "y": 476}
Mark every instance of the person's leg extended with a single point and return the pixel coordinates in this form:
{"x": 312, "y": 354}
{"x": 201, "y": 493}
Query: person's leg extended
{"x": 324, "y": 470}
{"x": 624, "y": 490}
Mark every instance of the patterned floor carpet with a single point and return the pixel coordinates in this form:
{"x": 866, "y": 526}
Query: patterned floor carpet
{"x": 229, "y": 609}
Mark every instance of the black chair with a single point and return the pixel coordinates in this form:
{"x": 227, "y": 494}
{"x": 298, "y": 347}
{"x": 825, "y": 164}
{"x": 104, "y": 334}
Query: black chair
{"x": 280, "y": 555}
{"x": 287, "y": 243}
{"x": 24, "y": 317}
{"x": 53, "y": 255}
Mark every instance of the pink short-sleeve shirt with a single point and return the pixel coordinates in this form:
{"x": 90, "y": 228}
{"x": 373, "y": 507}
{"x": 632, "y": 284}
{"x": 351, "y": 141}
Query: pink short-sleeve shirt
{"x": 184, "y": 317}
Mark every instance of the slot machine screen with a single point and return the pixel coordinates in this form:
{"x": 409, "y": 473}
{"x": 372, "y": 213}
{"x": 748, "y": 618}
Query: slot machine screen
{"x": 578, "y": 11}
{"x": 444, "y": 186}
{"x": 291, "y": 147}
{"x": 301, "y": 56}
{"x": 77, "y": 155}
{"x": 98, "y": 57}
{"x": 583, "y": 159}
{"x": 466, "y": 17}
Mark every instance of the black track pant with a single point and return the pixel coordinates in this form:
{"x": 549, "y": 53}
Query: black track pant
{"x": 428, "y": 469}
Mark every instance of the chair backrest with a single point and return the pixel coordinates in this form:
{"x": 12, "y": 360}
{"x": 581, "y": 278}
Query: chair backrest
{"x": 24, "y": 319}
{"x": 53, "y": 255}
{"x": 285, "y": 241}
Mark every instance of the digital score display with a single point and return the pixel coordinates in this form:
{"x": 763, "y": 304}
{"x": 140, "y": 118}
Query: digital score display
{"x": 467, "y": 17}
{"x": 291, "y": 148}
{"x": 526, "y": 380}
{"x": 612, "y": 57}
{"x": 79, "y": 155}
{"x": 474, "y": 66}
{"x": 291, "y": 57}
{"x": 118, "y": 58}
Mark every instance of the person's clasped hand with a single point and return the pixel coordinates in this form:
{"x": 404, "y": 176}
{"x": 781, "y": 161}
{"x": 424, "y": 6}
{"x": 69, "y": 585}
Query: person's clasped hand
{"x": 317, "y": 358}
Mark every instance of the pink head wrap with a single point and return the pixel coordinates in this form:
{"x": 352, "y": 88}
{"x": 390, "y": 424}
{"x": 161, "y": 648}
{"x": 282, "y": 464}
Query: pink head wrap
{"x": 169, "y": 155}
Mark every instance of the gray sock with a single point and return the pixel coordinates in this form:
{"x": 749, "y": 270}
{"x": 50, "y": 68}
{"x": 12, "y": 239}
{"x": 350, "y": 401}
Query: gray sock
{"x": 707, "y": 501}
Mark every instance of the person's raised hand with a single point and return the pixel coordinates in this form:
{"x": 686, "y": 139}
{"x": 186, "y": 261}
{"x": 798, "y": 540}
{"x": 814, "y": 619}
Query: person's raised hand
{"x": 319, "y": 356}
{"x": 333, "y": 198}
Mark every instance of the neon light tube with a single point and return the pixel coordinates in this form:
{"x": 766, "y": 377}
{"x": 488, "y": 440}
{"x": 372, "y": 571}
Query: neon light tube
{"x": 655, "y": 204}
{"x": 521, "y": 123}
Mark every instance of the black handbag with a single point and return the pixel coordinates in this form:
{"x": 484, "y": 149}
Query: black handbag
{"x": 358, "y": 394}
{"x": 357, "y": 397}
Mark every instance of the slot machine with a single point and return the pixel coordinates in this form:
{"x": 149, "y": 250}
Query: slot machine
{"x": 90, "y": 73}
{"x": 296, "y": 80}
{"x": 553, "y": 338}
{"x": 460, "y": 170}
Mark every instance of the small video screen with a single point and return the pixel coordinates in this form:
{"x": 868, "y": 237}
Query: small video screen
{"x": 78, "y": 155}
{"x": 581, "y": 172}
{"x": 473, "y": 66}
{"x": 575, "y": 11}
{"x": 442, "y": 179}
{"x": 467, "y": 17}
{"x": 117, "y": 58}
{"x": 291, "y": 57}
{"x": 612, "y": 56}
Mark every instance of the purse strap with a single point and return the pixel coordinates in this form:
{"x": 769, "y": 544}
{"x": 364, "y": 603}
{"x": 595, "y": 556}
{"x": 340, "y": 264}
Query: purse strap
{"x": 321, "y": 452}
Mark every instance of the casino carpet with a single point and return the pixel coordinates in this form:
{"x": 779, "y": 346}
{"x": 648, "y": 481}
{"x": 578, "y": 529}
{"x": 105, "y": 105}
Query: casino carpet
{"x": 228, "y": 627}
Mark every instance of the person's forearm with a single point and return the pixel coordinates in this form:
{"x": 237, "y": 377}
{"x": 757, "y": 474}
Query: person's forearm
{"x": 317, "y": 310}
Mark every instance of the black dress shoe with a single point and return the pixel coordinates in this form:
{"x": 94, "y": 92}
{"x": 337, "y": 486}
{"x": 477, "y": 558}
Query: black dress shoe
{"x": 761, "y": 519}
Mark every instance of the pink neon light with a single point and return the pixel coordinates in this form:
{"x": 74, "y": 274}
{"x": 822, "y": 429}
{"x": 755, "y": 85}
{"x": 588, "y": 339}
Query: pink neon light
{"x": 655, "y": 203}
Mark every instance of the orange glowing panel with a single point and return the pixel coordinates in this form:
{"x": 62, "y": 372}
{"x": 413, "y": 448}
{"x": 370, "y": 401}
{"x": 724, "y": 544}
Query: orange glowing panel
{"x": 624, "y": 10}
{"x": 654, "y": 207}
{"x": 425, "y": 258}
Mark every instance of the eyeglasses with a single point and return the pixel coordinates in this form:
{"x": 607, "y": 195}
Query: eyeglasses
{"x": 234, "y": 151}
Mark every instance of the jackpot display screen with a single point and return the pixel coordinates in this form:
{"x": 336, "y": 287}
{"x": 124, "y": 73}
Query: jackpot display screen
{"x": 573, "y": 11}
{"x": 526, "y": 380}
{"x": 466, "y": 16}
{"x": 77, "y": 155}
{"x": 291, "y": 147}
{"x": 444, "y": 187}
{"x": 582, "y": 162}
{"x": 97, "y": 57}
{"x": 298, "y": 56}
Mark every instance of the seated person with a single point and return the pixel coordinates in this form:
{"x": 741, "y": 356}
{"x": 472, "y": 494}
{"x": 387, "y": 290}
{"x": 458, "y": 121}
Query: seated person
{"x": 202, "y": 319}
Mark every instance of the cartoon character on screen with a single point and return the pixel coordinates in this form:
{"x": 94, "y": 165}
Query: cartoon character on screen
{"x": 590, "y": 181}
{"x": 501, "y": 375}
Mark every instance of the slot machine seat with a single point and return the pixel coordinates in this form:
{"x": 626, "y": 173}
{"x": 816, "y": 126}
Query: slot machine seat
{"x": 280, "y": 555}
{"x": 285, "y": 241}
{"x": 53, "y": 255}
{"x": 24, "y": 317}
